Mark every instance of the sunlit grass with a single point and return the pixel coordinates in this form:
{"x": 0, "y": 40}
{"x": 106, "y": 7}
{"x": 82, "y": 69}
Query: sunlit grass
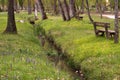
{"x": 22, "y": 57}
{"x": 98, "y": 57}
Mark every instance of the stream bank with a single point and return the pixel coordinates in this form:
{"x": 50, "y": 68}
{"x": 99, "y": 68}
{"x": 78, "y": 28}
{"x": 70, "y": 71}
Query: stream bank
{"x": 57, "y": 55}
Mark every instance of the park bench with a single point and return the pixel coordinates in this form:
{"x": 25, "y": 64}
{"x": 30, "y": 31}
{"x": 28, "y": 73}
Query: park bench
{"x": 80, "y": 17}
{"x": 32, "y": 22}
{"x": 118, "y": 18}
{"x": 103, "y": 30}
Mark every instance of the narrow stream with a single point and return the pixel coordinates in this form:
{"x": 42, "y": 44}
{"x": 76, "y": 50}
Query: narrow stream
{"x": 57, "y": 56}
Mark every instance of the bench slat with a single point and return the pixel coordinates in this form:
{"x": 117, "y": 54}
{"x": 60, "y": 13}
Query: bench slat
{"x": 100, "y": 30}
{"x": 111, "y": 31}
{"x": 102, "y": 24}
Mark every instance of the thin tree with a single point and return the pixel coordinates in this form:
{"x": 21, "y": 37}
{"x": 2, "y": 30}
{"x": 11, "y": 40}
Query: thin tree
{"x": 88, "y": 10}
{"x": 36, "y": 10}
{"x": 21, "y": 2}
{"x": 99, "y": 7}
{"x": 116, "y": 38}
{"x": 29, "y": 7}
{"x": 2, "y": 5}
{"x": 44, "y": 16}
{"x": 66, "y": 10}
{"x": 55, "y": 7}
{"x": 61, "y": 9}
{"x": 72, "y": 8}
{"x": 11, "y": 25}
{"x": 82, "y": 6}
{"x": 16, "y": 6}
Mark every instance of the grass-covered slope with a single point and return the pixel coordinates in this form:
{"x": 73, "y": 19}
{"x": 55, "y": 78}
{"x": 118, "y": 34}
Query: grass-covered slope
{"x": 22, "y": 57}
{"x": 98, "y": 57}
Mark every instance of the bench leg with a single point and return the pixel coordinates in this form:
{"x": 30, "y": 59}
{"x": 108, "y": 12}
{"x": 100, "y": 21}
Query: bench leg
{"x": 102, "y": 34}
{"x": 111, "y": 35}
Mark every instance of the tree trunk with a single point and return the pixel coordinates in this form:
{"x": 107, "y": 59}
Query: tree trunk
{"x": 61, "y": 9}
{"x": 72, "y": 8}
{"x": 88, "y": 10}
{"x": 16, "y": 6}
{"x": 29, "y": 7}
{"x": 36, "y": 11}
{"x": 55, "y": 7}
{"x": 99, "y": 8}
{"x": 11, "y": 25}
{"x": 66, "y": 9}
{"x": 21, "y": 2}
{"x": 101, "y": 11}
{"x": 44, "y": 16}
{"x": 3, "y": 5}
{"x": 116, "y": 38}
{"x": 82, "y": 6}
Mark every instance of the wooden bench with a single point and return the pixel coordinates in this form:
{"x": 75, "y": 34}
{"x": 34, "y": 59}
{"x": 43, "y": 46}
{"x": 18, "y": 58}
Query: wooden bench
{"x": 32, "y": 22}
{"x": 79, "y": 17}
{"x": 119, "y": 18}
{"x": 104, "y": 30}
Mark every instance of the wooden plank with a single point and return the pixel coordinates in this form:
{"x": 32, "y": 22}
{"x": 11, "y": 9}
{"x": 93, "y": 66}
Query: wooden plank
{"x": 111, "y": 31}
{"x": 102, "y": 30}
{"x": 98, "y": 24}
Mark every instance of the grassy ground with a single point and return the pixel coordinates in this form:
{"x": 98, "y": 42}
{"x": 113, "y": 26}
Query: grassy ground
{"x": 98, "y": 57}
{"x": 22, "y": 57}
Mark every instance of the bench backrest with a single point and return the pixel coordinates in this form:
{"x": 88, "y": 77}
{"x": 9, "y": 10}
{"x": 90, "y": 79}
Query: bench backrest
{"x": 101, "y": 24}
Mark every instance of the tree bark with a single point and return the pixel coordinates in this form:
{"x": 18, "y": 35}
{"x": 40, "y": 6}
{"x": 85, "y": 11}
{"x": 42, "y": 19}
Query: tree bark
{"x": 99, "y": 8}
{"x": 16, "y": 6}
{"x": 44, "y": 16}
{"x": 55, "y": 7}
{"x": 21, "y": 4}
{"x": 88, "y": 10}
{"x": 62, "y": 11}
{"x": 36, "y": 11}
{"x": 29, "y": 7}
{"x": 72, "y": 8}
{"x": 82, "y": 6}
{"x": 11, "y": 25}
{"x": 116, "y": 38}
{"x": 3, "y": 5}
{"x": 66, "y": 9}
{"x": 101, "y": 11}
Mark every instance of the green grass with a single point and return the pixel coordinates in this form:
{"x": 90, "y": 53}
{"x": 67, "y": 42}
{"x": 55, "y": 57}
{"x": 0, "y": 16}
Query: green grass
{"x": 98, "y": 57}
{"x": 22, "y": 57}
